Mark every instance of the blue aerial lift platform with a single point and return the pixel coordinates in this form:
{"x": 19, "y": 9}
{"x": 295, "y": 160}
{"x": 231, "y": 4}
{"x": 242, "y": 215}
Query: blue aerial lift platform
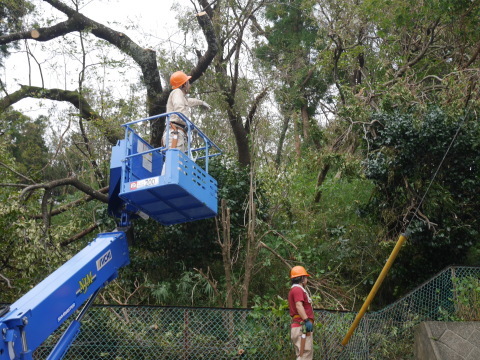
{"x": 162, "y": 183}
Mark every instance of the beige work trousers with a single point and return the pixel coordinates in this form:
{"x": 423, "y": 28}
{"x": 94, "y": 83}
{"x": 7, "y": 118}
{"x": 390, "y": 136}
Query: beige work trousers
{"x": 180, "y": 135}
{"x": 296, "y": 336}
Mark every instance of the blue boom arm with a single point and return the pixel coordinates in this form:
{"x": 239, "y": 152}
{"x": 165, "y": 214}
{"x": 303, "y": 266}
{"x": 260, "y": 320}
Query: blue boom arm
{"x": 31, "y": 319}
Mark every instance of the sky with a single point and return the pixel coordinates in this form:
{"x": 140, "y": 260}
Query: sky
{"x": 156, "y": 26}
{"x": 155, "y": 17}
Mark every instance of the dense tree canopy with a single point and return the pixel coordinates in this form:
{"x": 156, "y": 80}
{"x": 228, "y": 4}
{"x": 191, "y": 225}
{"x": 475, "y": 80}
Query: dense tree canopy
{"x": 404, "y": 161}
{"x": 334, "y": 117}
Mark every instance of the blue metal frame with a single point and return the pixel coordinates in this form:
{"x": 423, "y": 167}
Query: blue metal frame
{"x": 162, "y": 182}
{"x": 191, "y": 127}
{"x": 36, "y": 315}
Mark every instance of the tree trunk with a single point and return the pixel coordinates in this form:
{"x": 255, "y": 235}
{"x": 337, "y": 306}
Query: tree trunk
{"x": 305, "y": 122}
{"x": 241, "y": 139}
{"x": 297, "y": 136}
{"x": 226, "y": 246}
{"x": 320, "y": 179}
{"x": 251, "y": 251}
{"x": 281, "y": 140}
{"x": 145, "y": 58}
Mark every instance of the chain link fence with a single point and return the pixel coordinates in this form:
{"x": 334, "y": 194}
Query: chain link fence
{"x": 128, "y": 333}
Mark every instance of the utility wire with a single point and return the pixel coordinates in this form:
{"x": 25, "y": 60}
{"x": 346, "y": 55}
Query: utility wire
{"x": 435, "y": 174}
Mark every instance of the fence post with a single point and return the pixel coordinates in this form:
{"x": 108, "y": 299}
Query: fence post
{"x": 453, "y": 275}
{"x": 185, "y": 334}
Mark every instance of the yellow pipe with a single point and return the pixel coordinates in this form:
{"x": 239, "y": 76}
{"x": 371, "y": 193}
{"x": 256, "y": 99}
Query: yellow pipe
{"x": 375, "y": 288}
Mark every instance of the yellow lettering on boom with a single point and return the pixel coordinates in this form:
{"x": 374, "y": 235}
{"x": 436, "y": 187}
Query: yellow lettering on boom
{"x": 85, "y": 283}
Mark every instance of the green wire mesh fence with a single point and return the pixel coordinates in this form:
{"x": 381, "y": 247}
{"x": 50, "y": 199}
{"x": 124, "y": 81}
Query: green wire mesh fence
{"x": 128, "y": 332}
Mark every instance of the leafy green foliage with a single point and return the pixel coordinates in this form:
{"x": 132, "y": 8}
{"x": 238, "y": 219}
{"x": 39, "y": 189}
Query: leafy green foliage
{"x": 26, "y": 254}
{"x": 169, "y": 254}
{"x": 26, "y": 143}
{"x": 11, "y": 13}
{"x": 333, "y": 239}
{"x": 403, "y": 157}
{"x": 466, "y": 298}
{"x": 343, "y": 58}
{"x": 289, "y": 56}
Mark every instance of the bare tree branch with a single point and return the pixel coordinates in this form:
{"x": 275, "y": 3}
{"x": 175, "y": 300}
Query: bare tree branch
{"x": 277, "y": 255}
{"x": 73, "y": 97}
{"x": 146, "y": 58}
{"x": 73, "y": 181}
{"x": 45, "y": 213}
{"x": 253, "y": 109}
{"x": 230, "y": 44}
{"x": 80, "y": 235}
{"x": 417, "y": 58}
{"x": 13, "y": 185}
{"x": 207, "y": 7}
{"x": 473, "y": 57}
{"x": 258, "y": 30}
{"x": 24, "y": 177}
{"x": 72, "y": 204}
{"x": 203, "y": 62}
{"x": 225, "y": 242}
{"x": 6, "y": 280}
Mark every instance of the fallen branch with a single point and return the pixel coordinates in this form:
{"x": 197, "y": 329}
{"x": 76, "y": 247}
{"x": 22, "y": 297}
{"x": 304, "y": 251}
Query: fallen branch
{"x": 79, "y": 235}
{"x": 277, "y": 255}
{"x": 63, "y": 208}
{"x": 73, "y": 181}
{"x": 14, "y": 185}
{"x": 7, "y": 280}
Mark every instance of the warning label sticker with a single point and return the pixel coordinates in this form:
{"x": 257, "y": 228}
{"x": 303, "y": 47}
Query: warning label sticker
{"x": 146, "y": 158}
{"x": 154, "y": 181}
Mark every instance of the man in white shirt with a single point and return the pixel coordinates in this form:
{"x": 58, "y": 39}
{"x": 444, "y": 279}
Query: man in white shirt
{"x": 179, "y": 102}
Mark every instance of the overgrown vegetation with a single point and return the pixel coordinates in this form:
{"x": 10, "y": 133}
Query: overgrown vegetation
{"x": 465, "y": 299}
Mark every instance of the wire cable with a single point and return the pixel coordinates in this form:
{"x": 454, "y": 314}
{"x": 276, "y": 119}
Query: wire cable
{"x": 417, "y": 209}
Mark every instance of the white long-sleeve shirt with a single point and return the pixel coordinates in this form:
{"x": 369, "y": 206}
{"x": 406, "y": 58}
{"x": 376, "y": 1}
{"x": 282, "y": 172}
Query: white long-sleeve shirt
{"x": 179, "y": 102}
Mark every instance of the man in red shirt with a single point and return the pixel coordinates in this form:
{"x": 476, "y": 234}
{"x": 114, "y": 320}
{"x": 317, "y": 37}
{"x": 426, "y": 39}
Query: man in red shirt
{"x": 301, "y": 311}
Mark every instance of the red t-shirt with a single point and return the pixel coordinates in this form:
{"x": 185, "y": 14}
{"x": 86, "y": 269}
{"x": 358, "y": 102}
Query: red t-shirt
{"x": 298, "y": 294}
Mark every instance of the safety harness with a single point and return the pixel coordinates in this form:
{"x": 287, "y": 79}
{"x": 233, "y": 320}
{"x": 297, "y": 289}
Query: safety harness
{"x": 297, "y": 318}
{"x": 175, "y": 127}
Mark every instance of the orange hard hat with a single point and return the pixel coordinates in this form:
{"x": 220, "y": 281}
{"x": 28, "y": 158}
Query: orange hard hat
{"x": 178, "y": 78}
{"x": 298, "y": 271}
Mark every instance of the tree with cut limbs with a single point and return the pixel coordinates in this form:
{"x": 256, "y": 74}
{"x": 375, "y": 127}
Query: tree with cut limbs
{"x": 145, "y": 58}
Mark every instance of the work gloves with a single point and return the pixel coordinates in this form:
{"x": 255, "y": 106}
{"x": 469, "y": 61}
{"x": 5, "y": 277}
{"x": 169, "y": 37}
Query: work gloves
{"x": 308, "y": 326}
{"x": 206, "y": 106}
